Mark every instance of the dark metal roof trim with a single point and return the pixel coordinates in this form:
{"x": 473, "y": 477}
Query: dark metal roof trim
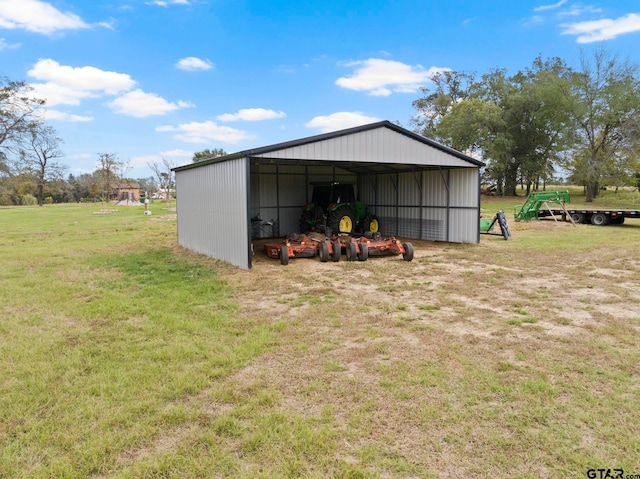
{"x": 328, "y": 136}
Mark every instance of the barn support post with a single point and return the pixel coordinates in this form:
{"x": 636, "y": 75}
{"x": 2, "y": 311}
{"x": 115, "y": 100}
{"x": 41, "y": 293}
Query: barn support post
{"x": 420, "y": 184}
{"x": 248, "y": 214}
{"x": 479, "y": 200}
{"x": 395, "y": 186}
{"x": 446, "y": 185}
{"x": 278, "y": 198}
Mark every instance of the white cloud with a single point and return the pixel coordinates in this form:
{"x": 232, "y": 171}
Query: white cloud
{"x": 550, "y": 7}
{"x": 578, "y": 9}
{"x": 140, "y": 104}
{"x": 177, "y": 153}
{"x": 252, "y": 114}
{"x": 194, "y": 64}
{"x": 166, "y": 3}
{"x": 340, "y": 121}
{"x": 205, "y": 132}
{"x": 37, "y": 16}
{"x": 534, "y": 20}
{"x": 68, "y": 85}
{"x": 383, "y": 77}
{"x": 8, "y": 46}
{"x": 605, "y": 29}
{"x": 62, "y": 116}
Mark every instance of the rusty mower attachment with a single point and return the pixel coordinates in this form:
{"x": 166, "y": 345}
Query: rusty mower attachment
{"x": 304, "y": 246}
{"x": 372, "y": 244}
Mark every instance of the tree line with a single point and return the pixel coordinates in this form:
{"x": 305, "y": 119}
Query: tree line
{"x": 544, "y": 120}
{"x": 30, "y": 150}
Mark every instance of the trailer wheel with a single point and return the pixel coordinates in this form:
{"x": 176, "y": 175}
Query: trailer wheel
{"x": 577, "y": 217}
{"x": 284, "y": 255}
{"x": 618, "y": 220}
{"x": 599, "y": 219}
{"x": 335, "y": 256}
{"x": 351, "y": 252}
{"x": 364, "y": 252}
{"x": 408, "y": 252}
{"x": 324, "y": 252}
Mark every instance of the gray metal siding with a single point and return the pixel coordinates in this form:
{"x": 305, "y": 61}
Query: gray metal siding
{"x": 381, "y": 145}
{"x": 464, "y": 219}
{"x": 436, "y": 205}
{"x": 212, "y": 211}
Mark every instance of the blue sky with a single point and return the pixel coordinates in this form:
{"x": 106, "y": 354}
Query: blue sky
{"x": 152, "y": 79}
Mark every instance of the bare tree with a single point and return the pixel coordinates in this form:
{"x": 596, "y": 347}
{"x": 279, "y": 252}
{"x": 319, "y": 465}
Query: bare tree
{"x": 164, "y": 175}
{"x": 40, "y": 150}
{"x": 111, "y": 169}
{"x": 18, "y": 114}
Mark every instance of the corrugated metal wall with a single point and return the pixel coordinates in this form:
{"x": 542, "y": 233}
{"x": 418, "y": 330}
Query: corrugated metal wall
{"x": 435, "y": 205}
{"x": 212, "y": 211}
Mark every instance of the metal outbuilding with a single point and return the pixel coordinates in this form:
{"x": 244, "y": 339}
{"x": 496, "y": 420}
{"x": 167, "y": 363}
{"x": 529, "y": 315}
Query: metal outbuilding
{"x": 418, "y": 188}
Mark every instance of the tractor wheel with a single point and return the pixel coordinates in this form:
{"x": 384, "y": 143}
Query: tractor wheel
{"x": 364, "y": 252}
{"x": 341, "y": 220}
{"x": 599, "y": 219}
{"x": 371, "y": 223}
{"x": 577, "y": 217}
{"x": 335, "y": 256}
{"x": 351, "y": 252}
{"x": 284, "y": 255}
{"x": 324, "y": 252}
{"x": 408, "y": 252}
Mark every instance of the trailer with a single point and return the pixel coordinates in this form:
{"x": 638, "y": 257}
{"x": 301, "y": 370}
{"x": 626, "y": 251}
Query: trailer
{"x": 533, "y": 208}
{"x": 598, "y": 217}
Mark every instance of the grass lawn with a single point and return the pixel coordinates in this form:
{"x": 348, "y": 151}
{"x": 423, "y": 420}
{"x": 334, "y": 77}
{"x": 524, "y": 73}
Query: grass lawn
{"x": 125, "y": 356}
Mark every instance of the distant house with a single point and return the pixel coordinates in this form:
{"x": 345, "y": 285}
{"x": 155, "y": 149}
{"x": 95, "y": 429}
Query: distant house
{"x": 162, "y": 194}
{"x": 126, "y": 191}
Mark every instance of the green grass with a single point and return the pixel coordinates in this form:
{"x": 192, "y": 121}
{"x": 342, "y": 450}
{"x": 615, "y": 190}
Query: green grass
{"x": 125, "y": 356}
{"x": 103, "y": 326}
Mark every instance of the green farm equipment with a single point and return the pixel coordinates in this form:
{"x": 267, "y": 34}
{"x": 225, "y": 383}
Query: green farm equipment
{"x": 535, "y": 200}
{"x": 334, "y": 209}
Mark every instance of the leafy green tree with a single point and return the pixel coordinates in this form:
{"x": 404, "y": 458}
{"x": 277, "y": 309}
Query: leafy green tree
{"x": 208, "y": 154}
{"x": 449, "y": 88}
{"x": 604, "y": 104}
{"x": 515, "y": 123}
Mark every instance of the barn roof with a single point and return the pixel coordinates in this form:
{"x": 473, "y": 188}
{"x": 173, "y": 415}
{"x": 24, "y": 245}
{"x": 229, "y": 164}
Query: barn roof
{"x": 374, "y": 148}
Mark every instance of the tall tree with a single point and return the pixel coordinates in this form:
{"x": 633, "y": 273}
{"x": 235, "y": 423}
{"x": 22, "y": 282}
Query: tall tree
{"x": 41, "y": 148}
{"x": 513, "y": 122}
{"x": 604, "y": 102}
{"x": 207, "y": 154}
{"x": 18, "y": 112}
{"x": 449, "y": 88}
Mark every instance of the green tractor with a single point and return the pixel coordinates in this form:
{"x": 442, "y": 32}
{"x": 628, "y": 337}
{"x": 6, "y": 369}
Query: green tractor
{"x": 334, "y": 209}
